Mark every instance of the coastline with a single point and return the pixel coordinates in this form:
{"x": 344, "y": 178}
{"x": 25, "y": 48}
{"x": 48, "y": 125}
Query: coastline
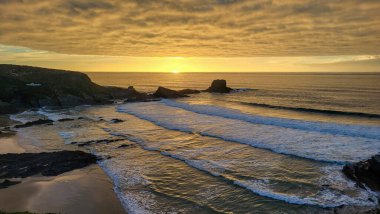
{"x": 89, "y": 190}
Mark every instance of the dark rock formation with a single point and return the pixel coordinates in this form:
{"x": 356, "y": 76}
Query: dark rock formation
{"x": 116, "y": 120}
{"x": 33, "y": 123}
{"x": 7, "y": 183}
{"x": 167, "y": 93}
{"x": 365, "y": 172}
{"x": 126, "y": 146}
{"x": 23, "y": 87}
{"x": 108, "y": 140}
{"x": 121, "y": 93}
{"x": 45, "y": 163}
{"x": 189, "y": 91}
{"x": 219, "y": 86}
{"x": 6, "y": 108}
{"x": 66, "y": 119}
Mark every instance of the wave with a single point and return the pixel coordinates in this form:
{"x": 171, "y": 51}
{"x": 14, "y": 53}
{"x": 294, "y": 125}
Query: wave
{"x": 26, "y": 116}
{"x": 132, "y": 203}
{"x": 305, "y": 144}
{"x": 331, "y": 128}
{"x": 56, "y": 115}
{"x": 326, "y": 198}
{"x": 313, "y": 110}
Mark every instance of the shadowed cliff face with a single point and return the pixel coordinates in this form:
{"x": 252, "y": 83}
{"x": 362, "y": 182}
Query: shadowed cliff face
{"x": 27, "y": 87}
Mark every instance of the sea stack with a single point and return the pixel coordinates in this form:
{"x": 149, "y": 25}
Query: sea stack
{"x": 219, "y": 86}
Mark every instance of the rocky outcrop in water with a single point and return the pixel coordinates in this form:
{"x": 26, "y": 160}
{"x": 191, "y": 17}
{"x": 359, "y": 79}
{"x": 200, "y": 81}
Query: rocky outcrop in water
{"x": 189, "y": 91}
{"x": 106, "y": 141}
{"x": 168, "y": 93}
{"x": 46, "y": 163}
{"x": 23, "y": 87}
{"x": 219, "y": 86}
{"x": 33, "y": 123}
{"x": 116, "y": 120}
{"x": 365, "y": 172}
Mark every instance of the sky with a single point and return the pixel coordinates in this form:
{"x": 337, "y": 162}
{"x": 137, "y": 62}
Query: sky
{"x": 192, "y": 35}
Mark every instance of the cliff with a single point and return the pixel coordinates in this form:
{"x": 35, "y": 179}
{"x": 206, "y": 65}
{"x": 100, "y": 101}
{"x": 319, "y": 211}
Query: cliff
{"x": 23, "y": 87}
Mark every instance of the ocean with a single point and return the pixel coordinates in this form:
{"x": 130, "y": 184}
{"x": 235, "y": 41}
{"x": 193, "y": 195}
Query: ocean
{"x": 276, "y": 144}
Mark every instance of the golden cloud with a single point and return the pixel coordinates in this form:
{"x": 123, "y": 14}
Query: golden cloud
{"x": 220, "y": 28}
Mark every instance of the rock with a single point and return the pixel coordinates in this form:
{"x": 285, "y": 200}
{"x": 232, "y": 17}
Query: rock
{"x": 365, "y": 172}
{"x": 66, "y": 119}
{"x": 46, "y": 163}
{"x": 116, "y": 120}
{"x": 71, "y": 100}
{"x": 33, "y": 123}
{"x": 168, "y": 93}
{"x": 7, "y": 183}
{"x": 126, "y": 146}
{"x": 6, "y": 108}
{"x": 52, "y": 87}
{"x": 219, "y": 86}
{"x": 108, "y": 140}
{"x": 121, "y": 93}
{"x": 189, "y": 91}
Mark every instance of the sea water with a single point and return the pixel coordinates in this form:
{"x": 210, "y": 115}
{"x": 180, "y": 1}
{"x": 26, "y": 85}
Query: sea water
{"x": 276, "y": 145}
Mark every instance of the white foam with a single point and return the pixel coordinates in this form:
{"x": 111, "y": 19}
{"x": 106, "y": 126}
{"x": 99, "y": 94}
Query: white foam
{"x": 331, "y": 128}
{"x": 241, "y": 90}
{"x": 67, "y": 135}
{"x": 324, "y": 198}
{"x": 332, "y": 196}
{"x": 132, "y": 202}
{"x": 26, "y": 116}
{"x": 301, "y": 143}
{"x": 56, "y": 115}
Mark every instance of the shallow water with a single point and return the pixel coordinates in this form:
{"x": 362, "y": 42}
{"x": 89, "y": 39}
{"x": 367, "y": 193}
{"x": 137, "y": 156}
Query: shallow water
{"x": 214, "y": 153}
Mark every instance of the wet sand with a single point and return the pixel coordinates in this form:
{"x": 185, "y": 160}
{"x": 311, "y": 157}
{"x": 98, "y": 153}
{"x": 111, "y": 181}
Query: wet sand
{"x": 8, "y": 144}
{"x": 86, "y": 190}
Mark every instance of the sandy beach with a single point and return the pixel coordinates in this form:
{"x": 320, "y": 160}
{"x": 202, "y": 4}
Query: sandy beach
{"x": 86, "y": 190}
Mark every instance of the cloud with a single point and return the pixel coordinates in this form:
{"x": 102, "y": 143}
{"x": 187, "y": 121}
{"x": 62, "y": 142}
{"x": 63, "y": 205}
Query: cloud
{"x": 223, "y": 28}
{"x": 27, "y": 56}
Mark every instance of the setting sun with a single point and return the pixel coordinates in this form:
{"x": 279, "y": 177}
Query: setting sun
{"x": 175, "y": 71}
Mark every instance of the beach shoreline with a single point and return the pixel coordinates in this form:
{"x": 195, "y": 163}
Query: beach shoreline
{"x": 85, "y": 190}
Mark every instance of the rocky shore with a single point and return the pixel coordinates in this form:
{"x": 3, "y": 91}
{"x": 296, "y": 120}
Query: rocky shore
{"x": 25, "y": 87}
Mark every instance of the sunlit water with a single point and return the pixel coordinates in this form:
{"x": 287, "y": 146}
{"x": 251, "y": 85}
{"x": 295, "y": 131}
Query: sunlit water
{"x": 278, "y": 148}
